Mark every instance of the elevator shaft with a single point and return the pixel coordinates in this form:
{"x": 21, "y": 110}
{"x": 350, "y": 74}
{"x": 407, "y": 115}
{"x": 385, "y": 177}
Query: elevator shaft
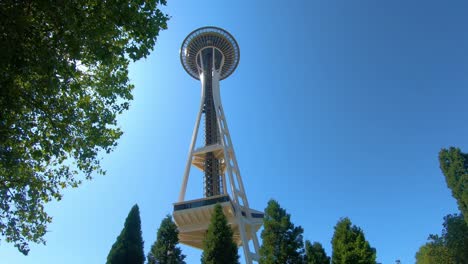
{"x": 212, "y": 168}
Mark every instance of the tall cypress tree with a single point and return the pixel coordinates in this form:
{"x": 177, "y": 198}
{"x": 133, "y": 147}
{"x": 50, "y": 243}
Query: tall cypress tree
{"x": 315, "y": 254}
{"x": 282, "y": 241}
{"x": 350, "y": 245}
{"x": 128, "y": 249}
{"x": 165, "y": 250}
{"x": 218, "y": 245}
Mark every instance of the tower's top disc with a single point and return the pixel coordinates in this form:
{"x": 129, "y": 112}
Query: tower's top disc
{"x": 209, "y": 37}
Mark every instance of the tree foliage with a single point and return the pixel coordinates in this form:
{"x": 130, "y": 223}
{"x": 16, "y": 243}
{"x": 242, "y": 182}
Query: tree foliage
{"x": 282, "y": 241}
{"x": 315, "y": 254}
{"x": 128, "y": 248}
{"x": 455, "y": 236}
{"x": 63, "y": 81}
{"x": 165, "y": 250}
{"x": 433, "y": 253}
{"x": 451, "y": 247}
{"x": 454, "y": 165}
{"x": 218, "y": 245}
{"x": 350, "y": 245}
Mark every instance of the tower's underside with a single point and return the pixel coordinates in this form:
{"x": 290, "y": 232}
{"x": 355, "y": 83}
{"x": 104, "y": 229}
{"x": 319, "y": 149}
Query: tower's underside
{"x": 205, "y": 37}
{"x": 193, "y": 217}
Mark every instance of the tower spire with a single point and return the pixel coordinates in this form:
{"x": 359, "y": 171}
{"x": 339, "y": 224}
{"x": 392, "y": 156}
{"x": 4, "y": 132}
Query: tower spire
{"x": 211, "y": 54}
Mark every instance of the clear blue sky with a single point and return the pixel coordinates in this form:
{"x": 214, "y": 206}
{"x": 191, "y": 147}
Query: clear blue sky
{"x": 337, "y": 108}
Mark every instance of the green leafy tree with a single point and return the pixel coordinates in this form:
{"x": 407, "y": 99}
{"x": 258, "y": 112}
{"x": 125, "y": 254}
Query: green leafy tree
{"x": 165, "y": 250}
{"x": 315, "y": 253}
{"x": 434, "y": 252}
{"x": 451, "y": 247}
{"x": 455, "y": 236}
{"x": 128, "y": 249}
{"x": 454, "y": 165}
{"x": 350, "y": 245}
{"x": 282, "y": 241}
{"x": 218, "y": 245}
{"x": 63, "y": 82}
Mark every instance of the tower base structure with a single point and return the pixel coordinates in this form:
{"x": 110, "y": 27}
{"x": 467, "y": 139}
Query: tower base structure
{"x": 193, "y": 217}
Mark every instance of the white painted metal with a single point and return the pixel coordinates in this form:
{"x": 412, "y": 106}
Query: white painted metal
{"x": 232, "y": 169}
{"x": 183, "y": 189}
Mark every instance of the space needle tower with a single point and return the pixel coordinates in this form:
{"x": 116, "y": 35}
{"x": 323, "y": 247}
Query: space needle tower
{"x": 211, "y": 54}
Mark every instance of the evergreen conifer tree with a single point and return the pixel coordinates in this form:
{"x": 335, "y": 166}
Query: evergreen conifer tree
{"x": 350, "y": 245}
{"x": 218, "y": 245}
{"x": 128, "y": 249}
{"x": 282, "y": 241}
{"x": 315, "y": 254}
{"x": 165, "y": 250}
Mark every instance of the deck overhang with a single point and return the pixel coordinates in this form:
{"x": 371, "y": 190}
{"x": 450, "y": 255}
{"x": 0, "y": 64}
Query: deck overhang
{"x": 193, "y": 218}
